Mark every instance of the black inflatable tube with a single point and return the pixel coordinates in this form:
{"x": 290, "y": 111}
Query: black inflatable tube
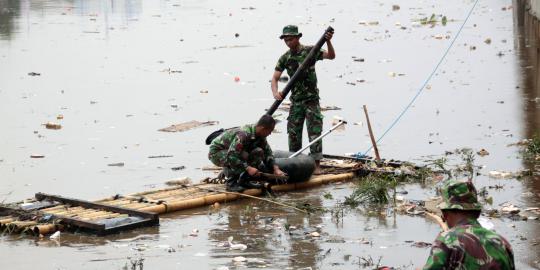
{"x": 299, "y": 168}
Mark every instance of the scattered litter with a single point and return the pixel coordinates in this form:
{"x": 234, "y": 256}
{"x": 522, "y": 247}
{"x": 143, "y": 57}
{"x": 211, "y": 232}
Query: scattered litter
{"x": 161, "y": 156}
{"x": 487, "y": 41}
{"x": 421, "y": 244}
{"x": 235, "y": 246}
{"x": 236, "y": 79}
{"x": 187, "y": 126}
{"x": 500, "y": 174}
{"x": 51, "y": 125}
{"x": 37, "y": 156}
{"x": 184, "y": 181}
{"x": 171, "y": 71}
{"x": 34, "y": 74}
{"x": 239, "y": 259}
{"x": 508, "y": 208}
{"x": 482, "y": 152}
{"x": 194, "y": 233}
{"x": 204, "y": 91}
{"x": 55, "y": 235}
{"x": 60, "y": 117}
{"x": 315, "y": 234}
{"x": 395, "y": 7}
{"x": 486, "y": 223}
{"x": 330, "y": 108}
{"x": 178, "y": 168}
{"x": 118, "y": 164}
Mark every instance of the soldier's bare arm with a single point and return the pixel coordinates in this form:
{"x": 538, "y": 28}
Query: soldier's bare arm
{"x": 274, "y": 85}
{"x": 330, "y": 54}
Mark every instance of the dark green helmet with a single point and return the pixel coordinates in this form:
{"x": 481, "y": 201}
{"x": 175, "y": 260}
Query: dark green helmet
{"x": 459, "y": 195}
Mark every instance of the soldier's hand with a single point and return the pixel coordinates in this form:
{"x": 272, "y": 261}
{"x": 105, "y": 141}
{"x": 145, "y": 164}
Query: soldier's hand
{"x": 253, "y": 171}
{"x": 279, "y": 172}
{"x": 329, "y": 35}
{"x": 277, "y": 95}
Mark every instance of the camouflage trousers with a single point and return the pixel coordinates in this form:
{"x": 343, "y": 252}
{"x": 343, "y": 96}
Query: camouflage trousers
{"x": 310, "y": 112}
{"x": 254, "y": 159}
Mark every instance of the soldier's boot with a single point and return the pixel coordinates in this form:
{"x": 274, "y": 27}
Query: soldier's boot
{"x": 246, "y": 181}
{"x": 233, "y": 185}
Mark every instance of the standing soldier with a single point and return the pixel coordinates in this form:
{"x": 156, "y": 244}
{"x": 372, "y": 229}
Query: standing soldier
{"x": 244, "y": 150}
{"x": 467, "y": 245}
{"x": 305, "y": 94}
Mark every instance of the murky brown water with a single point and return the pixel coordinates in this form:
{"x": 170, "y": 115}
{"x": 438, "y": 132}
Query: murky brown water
{"x": 105, "y": 67}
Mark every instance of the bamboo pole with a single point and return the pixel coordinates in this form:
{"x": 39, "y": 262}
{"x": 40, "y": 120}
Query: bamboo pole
{"x": 439, "y": 221}
{"x": 44, "y": 229}
{"x": 6, "y": 220}
{"x": 371, "y": 135}
{"x": 220, "y": 196}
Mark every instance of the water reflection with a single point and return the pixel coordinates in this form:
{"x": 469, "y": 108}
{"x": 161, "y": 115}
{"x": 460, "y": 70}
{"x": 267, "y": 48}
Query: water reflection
{"x": 263, "y": 228}
{"x": 107, "y": 14}
{"x": 9, "y": 11}
{"x": 527, "y": 44}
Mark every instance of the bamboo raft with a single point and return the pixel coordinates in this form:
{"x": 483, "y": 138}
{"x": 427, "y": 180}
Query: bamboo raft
{"x": 46, "y": 214}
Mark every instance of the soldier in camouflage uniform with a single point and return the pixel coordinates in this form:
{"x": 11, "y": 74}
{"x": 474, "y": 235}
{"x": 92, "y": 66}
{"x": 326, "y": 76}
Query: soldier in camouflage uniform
{"x": 305, "y": 94}
{"x": 244, "y": 149}
{"x": 467, "y": 245}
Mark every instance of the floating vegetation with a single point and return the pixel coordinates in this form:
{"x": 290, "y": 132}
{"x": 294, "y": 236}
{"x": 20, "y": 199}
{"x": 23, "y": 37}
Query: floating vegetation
{"x": 532, "y": 148}
{"x": 433, "y": 20}
{"x": 372, "y": 189}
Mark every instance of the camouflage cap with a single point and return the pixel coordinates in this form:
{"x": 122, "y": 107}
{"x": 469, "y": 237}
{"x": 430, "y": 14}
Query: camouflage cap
{"x": 290, "y": 30}
{"x": 459, "y": 195}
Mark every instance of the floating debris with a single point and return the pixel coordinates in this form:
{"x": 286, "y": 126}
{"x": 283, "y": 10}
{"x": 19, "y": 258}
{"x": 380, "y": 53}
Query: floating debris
{"x": 51, "y": 125}
{"x": 34, "y": 74}
{"x": 118, "y": 164}
{"x": 482, "y": 152}
{"x": 501, "y": 174}
{"x": 187, "y": 126}
{"x": 178, "y": 168}
{"x": 184, "y": 181}
{"x": 239, "y": 259}
{"x": 55, "y": 235}
{"x": 235, "y": 246}
{"x": 37, "y": 156}
{"x": 161, "y": 156}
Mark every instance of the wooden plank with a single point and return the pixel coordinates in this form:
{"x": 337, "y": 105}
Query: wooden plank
{"x": 93, "y": 205}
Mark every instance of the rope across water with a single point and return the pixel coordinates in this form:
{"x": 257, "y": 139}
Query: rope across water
{"x": 424, "y": 84}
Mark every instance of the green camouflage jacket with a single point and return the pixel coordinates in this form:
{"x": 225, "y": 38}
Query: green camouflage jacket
{"x": 305, "y": 88}
{"x": 470, "y": 246}
{"x": 238, "y": 140}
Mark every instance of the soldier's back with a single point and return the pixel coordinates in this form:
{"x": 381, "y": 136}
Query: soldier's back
{"x": 470, "y": 246}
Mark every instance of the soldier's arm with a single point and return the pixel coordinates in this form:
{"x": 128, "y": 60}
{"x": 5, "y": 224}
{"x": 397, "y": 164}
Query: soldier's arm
{"x": 268, "y": 154}
{"x": 330, "y": 54}
{"x": 437, "y": 257}
{"x": 274, "y": 85}
{"x": 234, "y": 154}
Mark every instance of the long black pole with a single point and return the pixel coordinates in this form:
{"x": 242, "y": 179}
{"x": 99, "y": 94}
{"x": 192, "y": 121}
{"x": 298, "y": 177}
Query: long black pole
{"x": 307, "y": 62}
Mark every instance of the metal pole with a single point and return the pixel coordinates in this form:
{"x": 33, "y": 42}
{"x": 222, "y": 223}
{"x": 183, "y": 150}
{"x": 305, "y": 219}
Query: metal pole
{"x": 318, "y": 138}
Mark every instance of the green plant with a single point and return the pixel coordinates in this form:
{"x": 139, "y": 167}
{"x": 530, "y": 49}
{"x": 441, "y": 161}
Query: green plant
{"x": 373, "y": 189}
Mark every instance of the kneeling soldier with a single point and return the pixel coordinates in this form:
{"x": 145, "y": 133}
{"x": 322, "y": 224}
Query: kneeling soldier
{"x": 467, "y": 245}
{"x": 244, "y": 150}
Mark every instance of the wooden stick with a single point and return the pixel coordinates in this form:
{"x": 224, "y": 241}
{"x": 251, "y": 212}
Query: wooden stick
{"x": 439, "y": 220}
{"x": 371, "y": 135}
{"x": 257, "y": 198}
